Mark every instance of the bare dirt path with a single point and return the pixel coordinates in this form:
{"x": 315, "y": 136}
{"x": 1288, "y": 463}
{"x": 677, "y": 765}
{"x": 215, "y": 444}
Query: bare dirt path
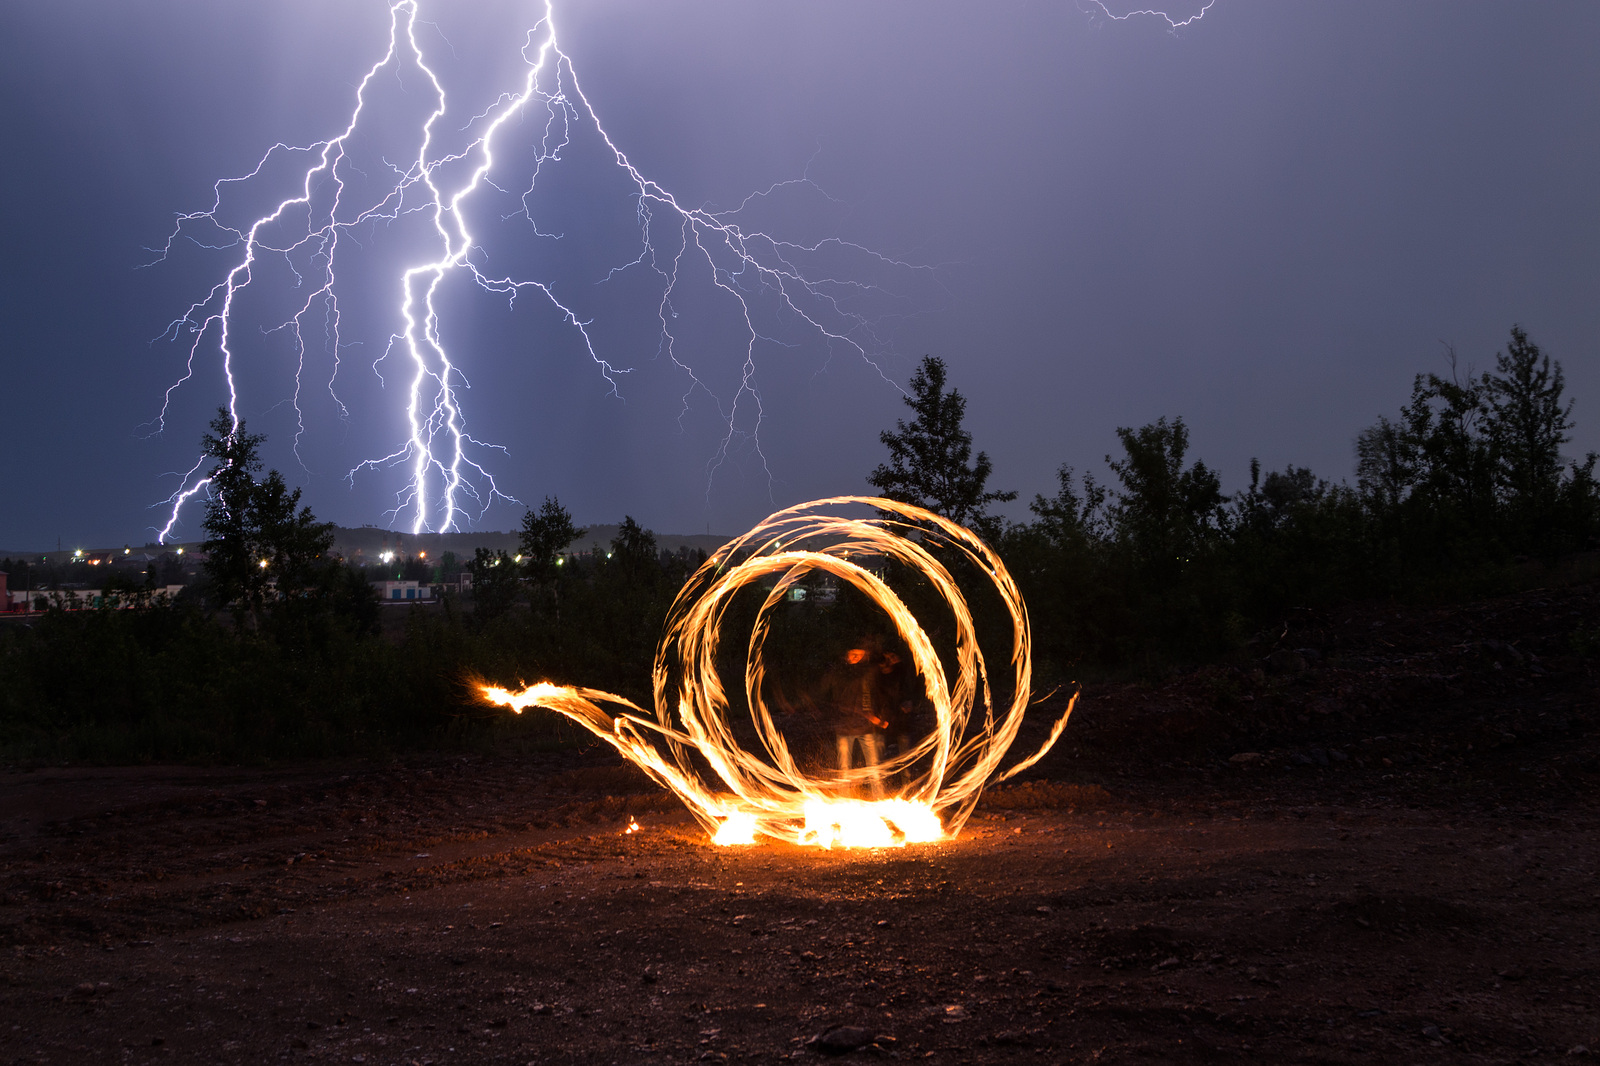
{"x": 496, "y": 911}
{"x": 1374, "y": 842}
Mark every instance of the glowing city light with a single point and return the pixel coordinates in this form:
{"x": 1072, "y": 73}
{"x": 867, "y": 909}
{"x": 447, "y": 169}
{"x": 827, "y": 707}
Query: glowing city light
{"x": 444, "y": 169}
{"x": 738, "y": 795}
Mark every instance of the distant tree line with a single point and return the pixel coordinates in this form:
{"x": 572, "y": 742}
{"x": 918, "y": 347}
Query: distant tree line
{"x": 278, "y": 649}
{"x": 1464, "y": 486}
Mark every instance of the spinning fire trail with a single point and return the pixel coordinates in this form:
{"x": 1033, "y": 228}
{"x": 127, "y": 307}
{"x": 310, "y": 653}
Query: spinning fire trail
{"x": 305, "y": 236}
{"x": 746, "y": 794}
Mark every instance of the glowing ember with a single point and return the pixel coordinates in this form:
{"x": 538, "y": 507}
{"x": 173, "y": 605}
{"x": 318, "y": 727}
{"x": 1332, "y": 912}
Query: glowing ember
{"x": 769, "y": 794}
{"x": 869, "y": 824}
{"x": 737, "y": 828}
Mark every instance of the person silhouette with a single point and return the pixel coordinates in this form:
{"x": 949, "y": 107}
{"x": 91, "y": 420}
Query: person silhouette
{"x": 852, "y": 698}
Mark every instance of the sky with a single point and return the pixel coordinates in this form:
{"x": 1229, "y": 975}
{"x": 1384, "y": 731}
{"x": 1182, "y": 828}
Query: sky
{"x": 1265, "y": 222}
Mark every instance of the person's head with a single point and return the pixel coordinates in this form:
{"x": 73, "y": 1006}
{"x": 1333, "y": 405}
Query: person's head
{"x": 863, "y": 650}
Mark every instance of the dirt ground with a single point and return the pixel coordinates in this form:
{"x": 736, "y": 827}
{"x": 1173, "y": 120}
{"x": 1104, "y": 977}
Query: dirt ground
{"x": 1372, "y": 840}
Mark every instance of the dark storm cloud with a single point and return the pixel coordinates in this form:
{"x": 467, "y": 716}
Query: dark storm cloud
{"x": 1264, "y": 224}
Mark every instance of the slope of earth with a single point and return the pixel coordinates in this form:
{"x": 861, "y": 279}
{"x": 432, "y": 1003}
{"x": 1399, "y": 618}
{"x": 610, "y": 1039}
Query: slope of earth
{"x": 1372, "y": 843}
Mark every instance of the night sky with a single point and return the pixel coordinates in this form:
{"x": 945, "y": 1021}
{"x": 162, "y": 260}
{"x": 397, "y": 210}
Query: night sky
{"x": 1266, "y": 223}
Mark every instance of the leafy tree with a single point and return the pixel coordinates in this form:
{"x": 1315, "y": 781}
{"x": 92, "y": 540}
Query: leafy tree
{"x": 1472, "y": 468}
{"x": 233, "y": 558}
{"x": 1580, "y": 503}
{"x": 545, "y": 534}
{"x": 1527, "y": 425}
{"x": 258, "y": 535}
{"x": 1060, "y": 562}
{"x": 1435, "y": 459}
{"x": 634, "y": 556}
{"x": 1071, "y": 520}
{"x": 1294, "y": 540}
{"x": 1164, "y": 512}
{"x": 293, "y": 542}
{"x": 495, "y": 584}
{"x": 1386, "y": 465}
{"x": 930, "y": 458}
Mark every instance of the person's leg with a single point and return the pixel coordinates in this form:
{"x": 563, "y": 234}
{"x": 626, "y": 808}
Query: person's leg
{"x": 869, "y": 755}
{"x": 903, "y": 745}
{"x": 847, "y": 751}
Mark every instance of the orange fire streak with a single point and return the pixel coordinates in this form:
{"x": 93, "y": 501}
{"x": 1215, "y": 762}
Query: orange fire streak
{"x": 768, "y": 794}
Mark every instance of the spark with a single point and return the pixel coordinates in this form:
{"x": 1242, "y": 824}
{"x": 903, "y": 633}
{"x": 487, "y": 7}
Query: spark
{"x": 745, "y": 794}
{"x": 333, "y": 199}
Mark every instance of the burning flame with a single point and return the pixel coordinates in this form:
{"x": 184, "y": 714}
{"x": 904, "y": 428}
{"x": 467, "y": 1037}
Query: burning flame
{"x": 767, "y": 794}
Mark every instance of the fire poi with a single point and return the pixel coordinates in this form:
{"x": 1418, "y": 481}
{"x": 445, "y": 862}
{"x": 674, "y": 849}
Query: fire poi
{"x": 689, "y": 747}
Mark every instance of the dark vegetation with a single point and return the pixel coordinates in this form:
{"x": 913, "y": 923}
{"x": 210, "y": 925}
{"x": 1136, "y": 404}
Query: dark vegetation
{"x": 277, "y": 649}
{"x": 1465, "y": 494}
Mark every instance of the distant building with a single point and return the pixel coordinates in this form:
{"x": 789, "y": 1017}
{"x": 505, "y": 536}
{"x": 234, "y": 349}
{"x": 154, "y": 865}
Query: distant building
{"x": 63, "y": 599}
{"x": 403, "y": 591}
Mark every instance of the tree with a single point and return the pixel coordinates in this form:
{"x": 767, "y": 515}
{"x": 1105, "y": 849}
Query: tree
{"x": 1386, "y": 465}
{"x": 1426, "y": 480}
{"x": 232, "y": 555}
{"x": 544, "y": 536}
{"x": 1070, "y": 520}
{"x": 1059, "y": 560}
{"x": 1474, "y": 463}
{"x": 930, "y": 458}
{"x": 1526, "y": 427}
{"x": 1294, "y": 539}
{"x": 257, "y": 534}
{"x": 495, "y": 583}
{"x": 633, "y": 552}
{"x": 293, "y": 542}
{"x": 1445, "y": 422}
{"x": 1164, "y": 512}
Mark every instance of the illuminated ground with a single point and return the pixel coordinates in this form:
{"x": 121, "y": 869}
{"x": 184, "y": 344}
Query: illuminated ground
{"x": 1440, "y": 906}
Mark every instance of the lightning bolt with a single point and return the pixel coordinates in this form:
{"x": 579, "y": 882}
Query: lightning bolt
{"x": 768, "y": 282}
{"x": 1173, "y": 23}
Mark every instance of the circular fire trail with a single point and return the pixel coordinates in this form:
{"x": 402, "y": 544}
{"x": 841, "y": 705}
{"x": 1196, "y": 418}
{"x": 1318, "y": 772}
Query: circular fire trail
{"x": 689, "y": 747}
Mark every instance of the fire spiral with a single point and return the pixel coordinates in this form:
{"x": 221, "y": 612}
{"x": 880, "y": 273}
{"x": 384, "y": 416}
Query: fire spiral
{"x": 689, "y": 747}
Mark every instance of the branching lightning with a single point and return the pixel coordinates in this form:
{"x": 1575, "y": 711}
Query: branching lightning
{"x": 305, "y": 236}
{"x": 1173, "y": 22}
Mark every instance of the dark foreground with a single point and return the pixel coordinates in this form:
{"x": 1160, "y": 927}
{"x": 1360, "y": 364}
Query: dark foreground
{"x": 1428, "y": 895}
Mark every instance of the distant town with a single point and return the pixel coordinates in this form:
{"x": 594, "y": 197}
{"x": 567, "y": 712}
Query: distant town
{"x": 402, "y": 567}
